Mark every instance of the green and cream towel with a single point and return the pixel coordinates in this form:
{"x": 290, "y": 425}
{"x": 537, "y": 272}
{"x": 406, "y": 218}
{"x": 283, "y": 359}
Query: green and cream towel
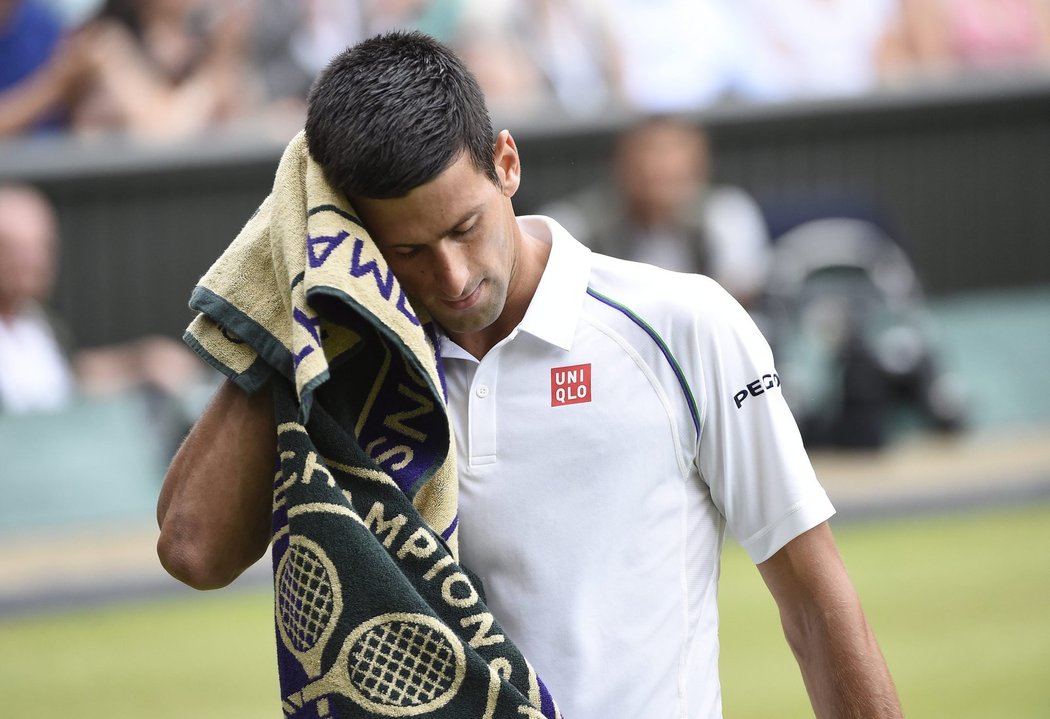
{"x": 374, "y": 615}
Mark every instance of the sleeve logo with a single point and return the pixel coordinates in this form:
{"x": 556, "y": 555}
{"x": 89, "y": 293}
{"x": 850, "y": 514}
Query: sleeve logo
{"x": 570, "y": 385}
{"x": 759, "y": 386}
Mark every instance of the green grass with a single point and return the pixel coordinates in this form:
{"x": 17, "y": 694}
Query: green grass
{"x": 208, "y": 656}
{"x": 961, "y": 606}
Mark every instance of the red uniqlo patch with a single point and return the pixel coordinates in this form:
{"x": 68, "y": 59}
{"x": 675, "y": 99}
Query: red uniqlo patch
{"x": 570, "y": 385}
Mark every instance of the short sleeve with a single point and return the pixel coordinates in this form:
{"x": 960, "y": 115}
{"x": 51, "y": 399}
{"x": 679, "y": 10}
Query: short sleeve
{"x": 750, "y": 452}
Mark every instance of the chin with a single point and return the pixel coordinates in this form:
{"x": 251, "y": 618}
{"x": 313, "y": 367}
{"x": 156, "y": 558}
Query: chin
{"x": 463, "y": 325}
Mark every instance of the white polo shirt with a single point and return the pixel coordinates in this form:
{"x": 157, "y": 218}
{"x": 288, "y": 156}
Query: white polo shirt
{"x": 605, "y": 445}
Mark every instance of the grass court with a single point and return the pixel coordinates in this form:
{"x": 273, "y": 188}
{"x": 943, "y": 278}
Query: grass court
{"x": 960, "y": 604}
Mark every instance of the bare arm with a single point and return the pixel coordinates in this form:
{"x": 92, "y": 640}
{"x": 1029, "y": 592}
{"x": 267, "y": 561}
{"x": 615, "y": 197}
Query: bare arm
{"x": 842, "y": 666}
{"x": 214, "y": 506}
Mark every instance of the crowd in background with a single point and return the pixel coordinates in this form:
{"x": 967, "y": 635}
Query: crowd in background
{"x": 170, "y": 68}
{"x": 173, "y": 68}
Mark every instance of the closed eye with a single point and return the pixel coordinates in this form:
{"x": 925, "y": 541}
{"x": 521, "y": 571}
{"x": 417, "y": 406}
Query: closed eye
{"x": 407, "y": 250}
{"x": 468, "y": 225}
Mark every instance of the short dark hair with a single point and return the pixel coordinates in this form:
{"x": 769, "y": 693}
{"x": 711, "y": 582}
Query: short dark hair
{"x": 393, "y": 112}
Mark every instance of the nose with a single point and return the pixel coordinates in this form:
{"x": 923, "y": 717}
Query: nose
{"x": 451, "y": 272}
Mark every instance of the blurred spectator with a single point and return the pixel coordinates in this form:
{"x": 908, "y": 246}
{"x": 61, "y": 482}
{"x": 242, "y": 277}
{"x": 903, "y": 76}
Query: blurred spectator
{"x": 34, "y": 372}
{"x": 951, "y": 35}
{"x": 490, "y": 41}
{"x": 39, "y": 368}
{"x": 660, "y": 207}
{"x": 562, "y": 53}
{"x": 575, "y": 47}
{"x": 166, "y": 68}
{"x": 173, "y": 68}
{"x": 292, "y": 41}
{"x": 38, "y": 72}
{"x": 677, "y": 55}
{"x": 800, "y": 48}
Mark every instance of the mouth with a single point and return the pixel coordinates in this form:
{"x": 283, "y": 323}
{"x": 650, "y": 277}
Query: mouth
{"x": 464, "y": 302}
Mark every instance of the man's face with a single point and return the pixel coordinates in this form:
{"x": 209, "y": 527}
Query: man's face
{"x": 659, "y": 169}
{"x": 27, "y": 248}
{"x": 452, "y": 243}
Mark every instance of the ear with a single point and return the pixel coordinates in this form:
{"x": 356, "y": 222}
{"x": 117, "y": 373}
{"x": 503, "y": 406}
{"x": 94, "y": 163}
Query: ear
{"x": 508, "y": 164}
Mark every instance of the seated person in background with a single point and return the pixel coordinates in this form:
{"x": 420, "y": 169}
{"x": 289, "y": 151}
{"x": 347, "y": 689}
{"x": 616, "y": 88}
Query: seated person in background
{"x": 39, "y": 68}
{"x": 39, "y": 369}
{"x": 290, "y": 43}
{"x": 660, "y": 207}
{"x": 151, "y": 68}
{"x": 542, "y": 56}
{"x": 819, "y": 48}
{"x": 34, "y": 370}
{"x": 677, "y": 55}
{"x": 166, "y": 68}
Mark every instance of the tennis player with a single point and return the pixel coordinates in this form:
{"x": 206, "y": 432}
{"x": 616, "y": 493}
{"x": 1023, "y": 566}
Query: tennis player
{"x": 613, "y": 421}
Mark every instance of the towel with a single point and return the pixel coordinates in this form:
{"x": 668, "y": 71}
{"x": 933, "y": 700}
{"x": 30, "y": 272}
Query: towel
{"x": 374, "y": 615}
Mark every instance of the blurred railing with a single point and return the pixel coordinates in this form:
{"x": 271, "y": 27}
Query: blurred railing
{"x": 960, "y": 173}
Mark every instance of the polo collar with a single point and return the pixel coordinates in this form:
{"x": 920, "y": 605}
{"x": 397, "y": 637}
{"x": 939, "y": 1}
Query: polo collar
{"x": 555, "y": 308}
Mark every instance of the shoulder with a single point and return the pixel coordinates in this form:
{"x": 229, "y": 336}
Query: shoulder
{"x": 661, "y": 296}
{"x": 689, "y": 317}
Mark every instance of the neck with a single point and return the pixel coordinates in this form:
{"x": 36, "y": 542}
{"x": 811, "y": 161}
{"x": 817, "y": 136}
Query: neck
{"x": 532, "y": 260}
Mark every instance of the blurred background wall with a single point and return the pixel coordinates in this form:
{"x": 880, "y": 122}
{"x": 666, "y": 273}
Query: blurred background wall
{"x": 961, "y": 175}
{"x": 909, "y": 110}
{"x": 153, "y": 129}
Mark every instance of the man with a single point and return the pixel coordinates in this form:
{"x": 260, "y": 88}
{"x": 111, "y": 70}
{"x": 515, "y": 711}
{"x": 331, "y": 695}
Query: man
{"x": 35, "y": 371}
{"x": 41, "y": 368}
{"x": 612, "y": 420}
{"x": 661, "y": 207}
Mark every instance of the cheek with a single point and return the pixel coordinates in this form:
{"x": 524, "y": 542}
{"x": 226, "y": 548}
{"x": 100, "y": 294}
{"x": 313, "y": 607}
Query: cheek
{"x": 409, "y": 276}
{"x": 414, "y": 281}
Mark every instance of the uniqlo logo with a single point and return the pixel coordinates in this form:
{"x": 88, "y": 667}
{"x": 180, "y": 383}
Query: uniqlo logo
{"x": 570, "y": 385}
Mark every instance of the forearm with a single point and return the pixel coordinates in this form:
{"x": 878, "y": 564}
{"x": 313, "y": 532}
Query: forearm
{"x": 214, "y": 505}
{"x": 842, "y": 666}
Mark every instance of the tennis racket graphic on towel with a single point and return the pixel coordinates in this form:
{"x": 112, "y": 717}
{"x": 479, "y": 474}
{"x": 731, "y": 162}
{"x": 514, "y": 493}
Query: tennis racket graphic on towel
{"x": 308, "y": 601}
{"x": 395, "y": 665}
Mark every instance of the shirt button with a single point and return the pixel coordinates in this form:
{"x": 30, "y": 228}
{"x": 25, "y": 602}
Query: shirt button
{"x": 482, "y": 391}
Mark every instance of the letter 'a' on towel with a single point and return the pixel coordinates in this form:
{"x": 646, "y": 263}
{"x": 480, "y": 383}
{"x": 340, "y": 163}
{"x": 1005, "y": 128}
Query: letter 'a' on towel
{"x": 374, "y": 615}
